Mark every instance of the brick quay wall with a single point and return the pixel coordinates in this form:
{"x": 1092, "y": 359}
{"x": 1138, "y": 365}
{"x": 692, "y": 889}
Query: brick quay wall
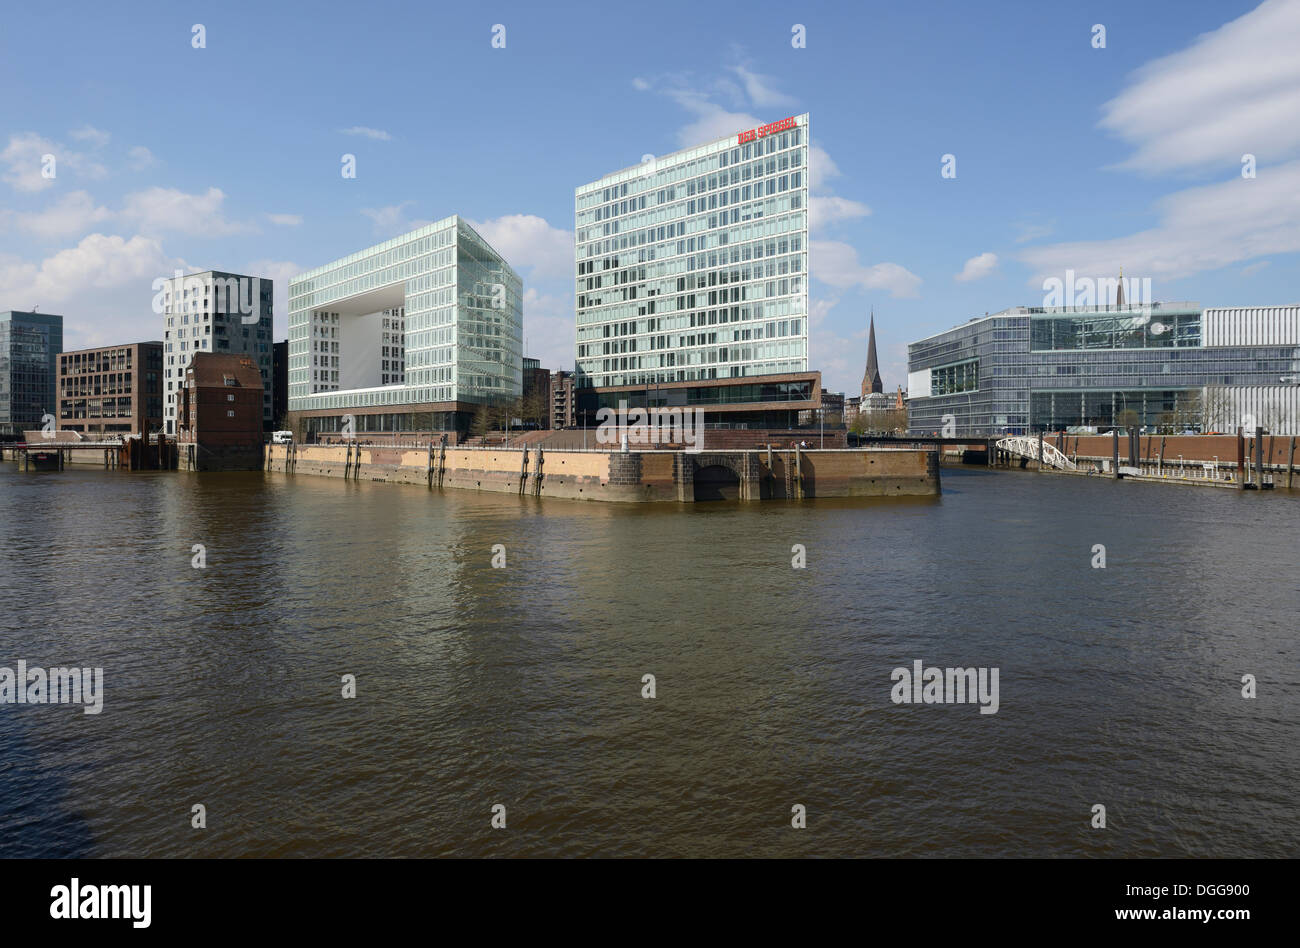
{"x": 631, "y": 477}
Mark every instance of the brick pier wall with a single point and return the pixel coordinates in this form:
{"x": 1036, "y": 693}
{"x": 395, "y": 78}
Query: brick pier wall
{"x": 632, "y": 477}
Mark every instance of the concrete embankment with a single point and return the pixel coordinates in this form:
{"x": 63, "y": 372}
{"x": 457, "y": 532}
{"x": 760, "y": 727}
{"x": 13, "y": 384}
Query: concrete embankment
{"x": 1264, "y": 462}
{"x": 627, "y": 477}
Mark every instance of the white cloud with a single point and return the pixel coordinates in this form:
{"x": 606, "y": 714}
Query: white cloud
{"x": 828, "y": 209}
{"x": 93, "y": 136}
{"x": 391, "y": 220}
{"x": 549, "y": 328}
{"x": 819, "y": 309}
{"x": 103, "y": 287}
{"x": 156, "y": 210}
{"x": 72, "y": 214}
{"x": 279, "y": 273}
{"x": 711, "y": 119}
{"x": 1199, "y": 229}
{"x": 378, "y": 134}
{"x": 139, "y": 158}
{"x": 977, "y": 268}
{"x": 1254, "y": 268}
{"x": 641, "y": 85}
{"x": 24, "y": 156}
{"x": 528, "y": 241}
{"x": 760, "y": 92}
{"x": 1030, "y": 232}
{"x": 285, "y": 220}
{"x": 821, "y": 168}
{"x": 1236, "y": 90}
{"x": 837, "y": 264}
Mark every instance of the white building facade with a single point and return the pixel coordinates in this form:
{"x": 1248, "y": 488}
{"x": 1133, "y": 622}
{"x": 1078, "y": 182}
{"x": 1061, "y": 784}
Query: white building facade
{"x": 214, "y": 311}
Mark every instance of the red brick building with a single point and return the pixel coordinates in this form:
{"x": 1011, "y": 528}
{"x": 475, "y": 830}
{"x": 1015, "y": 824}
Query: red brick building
{"x": 219, "y": 418}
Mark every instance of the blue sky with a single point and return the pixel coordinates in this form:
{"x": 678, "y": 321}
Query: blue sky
{"x": 1067, "y": 155}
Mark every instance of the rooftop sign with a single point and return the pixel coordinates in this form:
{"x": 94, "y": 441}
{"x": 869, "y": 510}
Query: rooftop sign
{"x": 764, "y": 130}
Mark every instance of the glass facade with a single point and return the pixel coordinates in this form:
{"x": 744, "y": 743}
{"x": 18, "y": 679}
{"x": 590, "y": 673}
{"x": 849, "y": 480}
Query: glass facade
{"x": 1034, "y": 369}
{"x": 455, "y": 302}
{"x": 30, "y": 344}
{"x": 1115, "y": 330}
{"x": 755, "y": 393}
{"x": 694, "y": 265}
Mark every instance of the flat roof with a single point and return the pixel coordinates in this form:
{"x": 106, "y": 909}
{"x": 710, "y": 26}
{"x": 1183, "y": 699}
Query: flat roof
{"x": 1181, "y": 305}
{"x": 119, "y": 345}
{"x": 685, "y": 154}
{"x": 389, "y": 244}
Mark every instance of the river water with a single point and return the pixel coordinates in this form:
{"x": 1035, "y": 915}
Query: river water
{"x": 522, "y": 686}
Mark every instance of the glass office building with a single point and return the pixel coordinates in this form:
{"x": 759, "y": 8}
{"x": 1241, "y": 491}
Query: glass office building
{"x": 410, "y": 334}
{"x": 1161, "y": 366}
{"x": 693, "y": 266}
{"x": 30, "y": 344}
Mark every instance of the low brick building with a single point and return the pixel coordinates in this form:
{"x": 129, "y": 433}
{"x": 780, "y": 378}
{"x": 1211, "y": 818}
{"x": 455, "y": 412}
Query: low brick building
{"x": 219, "y": 417}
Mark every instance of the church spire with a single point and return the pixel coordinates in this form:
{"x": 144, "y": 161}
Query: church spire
{"x": 871, "y": 380}
{"x": 1119, "y": 294}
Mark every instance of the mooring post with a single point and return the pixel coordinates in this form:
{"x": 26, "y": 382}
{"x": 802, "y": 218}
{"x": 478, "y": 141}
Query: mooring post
{"x": 1040, "y": 452}
{"x": 1290, "y": 464}
{"x": 798, "y": 472}
{"x": 428, "y": 465}
{"x": 1114, "y": 453}
{"x": 523, "y": 469}
{"x": 1160, "y": 466}
{"x": 1241, "y": 460}
{"x": 1259, "y": 458}
{"x": 537, "y": 472}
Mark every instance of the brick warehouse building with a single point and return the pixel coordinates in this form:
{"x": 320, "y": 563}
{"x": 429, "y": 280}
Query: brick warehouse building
{"x": 219, "y": 417}
{"x": 112, "y": 390}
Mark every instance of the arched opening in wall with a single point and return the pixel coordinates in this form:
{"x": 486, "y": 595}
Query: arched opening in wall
{"x": 717, "y": 482}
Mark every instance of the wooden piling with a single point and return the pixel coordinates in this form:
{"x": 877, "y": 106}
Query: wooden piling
{"x": 1290, "y": 464}
{"x": 1241, "y": 459}
{"x": 1259, "y": 458}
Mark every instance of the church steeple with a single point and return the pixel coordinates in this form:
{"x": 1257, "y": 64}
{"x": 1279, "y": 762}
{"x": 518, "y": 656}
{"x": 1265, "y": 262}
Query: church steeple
{"x": 871, "y": 380}
{"x": 1119, "y": 294}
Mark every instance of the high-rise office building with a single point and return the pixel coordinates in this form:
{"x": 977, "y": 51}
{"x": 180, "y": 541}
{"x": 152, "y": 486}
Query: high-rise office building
{"x": 30, "y": 344}
{"x": 692, "y": 279}
{"x": 214, "y": 311}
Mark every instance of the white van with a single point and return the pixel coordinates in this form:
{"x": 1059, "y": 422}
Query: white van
{"x": 282, "y": 437}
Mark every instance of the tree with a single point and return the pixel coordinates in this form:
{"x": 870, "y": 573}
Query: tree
{"x": 481, "y": 422}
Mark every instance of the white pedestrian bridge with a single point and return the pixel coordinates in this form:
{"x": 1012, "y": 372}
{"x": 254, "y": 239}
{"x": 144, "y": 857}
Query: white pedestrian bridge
{"x": 1027, "y": 447}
